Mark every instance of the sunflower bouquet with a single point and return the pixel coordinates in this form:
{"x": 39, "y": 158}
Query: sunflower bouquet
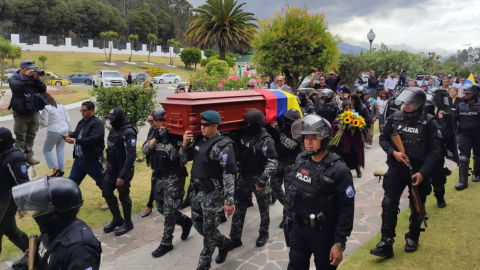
{"x": 348, "y": 120}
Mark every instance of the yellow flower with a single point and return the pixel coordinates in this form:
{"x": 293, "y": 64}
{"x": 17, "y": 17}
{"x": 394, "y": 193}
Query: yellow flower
{"x": 347, "y": 120}
{"x": 349, "y": 113}
{"x": 356, "y": 123}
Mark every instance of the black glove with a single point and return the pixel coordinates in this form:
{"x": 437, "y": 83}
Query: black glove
{"x": 163, "y": 135}
{"x": 156, "y": 135}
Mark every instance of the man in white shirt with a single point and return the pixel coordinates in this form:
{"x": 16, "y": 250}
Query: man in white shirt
{"x": 391, "y": 83}
{"x": 282, "y": 86}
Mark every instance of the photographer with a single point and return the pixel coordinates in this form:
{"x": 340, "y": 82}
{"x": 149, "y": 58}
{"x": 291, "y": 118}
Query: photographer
{"x": 26, "y": 102}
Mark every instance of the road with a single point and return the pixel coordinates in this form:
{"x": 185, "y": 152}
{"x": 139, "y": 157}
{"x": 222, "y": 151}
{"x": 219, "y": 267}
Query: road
{"x": 163, "y": 90}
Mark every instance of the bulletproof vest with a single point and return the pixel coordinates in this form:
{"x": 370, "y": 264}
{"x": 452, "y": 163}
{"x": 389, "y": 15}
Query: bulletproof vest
{"x": 391, "y": 108}
{"x": 284, "y": 154}
{"x": 202, "y": 166}
{"x": 252, "y": 160}
{"x": 7, "y": 181}
{"x": 161, "y": 162}
{"x": 116, "y": 145}
{"x": 413, "y": 134}
{"x": 328, "y": 111}
{"x": 469, "y": 115}
{"x": 310, "y": 191}
{"x": 27, "y": 100}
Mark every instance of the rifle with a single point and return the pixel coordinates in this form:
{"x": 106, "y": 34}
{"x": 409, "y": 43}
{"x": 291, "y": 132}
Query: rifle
{"x": 419, "y": 207}
{"x": 32, "y": 251}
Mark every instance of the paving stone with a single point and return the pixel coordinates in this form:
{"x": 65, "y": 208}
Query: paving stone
{"x": 154, "y": 233}
{"x": 283, "y": 264}
{"x": 129, "y": 247}
{"x": 271, "y": 266}
{"x": 140, "y": 234}
{"x": 277, "y": 255}
{"x": 248, "y": 266}
{"x": 124, "y": 240}
{"x": 110, "y": 242}
{"x": 108, "y": 257}
{"x": 247, "y": 255}
{"x": 363, "y": 237}
{"x": 234, "y": 265}
{"x": 376, "y": 219}
{"x": 351, "y": 247}
{"x": 259, "y": 259}
{"x": 369, "y": 210}
{"x": 359, "y": 228}
{"x": 276, "y": 246}
{"x": 145, "y": 223}
{"x": 107, "y": 250}
{"x": 373, "y": 228}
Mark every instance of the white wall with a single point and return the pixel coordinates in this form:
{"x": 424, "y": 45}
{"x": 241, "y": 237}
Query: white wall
{"x": 43, "y": 46}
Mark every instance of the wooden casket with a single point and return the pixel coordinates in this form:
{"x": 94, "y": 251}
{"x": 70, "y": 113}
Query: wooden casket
{"x": 183, "y": 110}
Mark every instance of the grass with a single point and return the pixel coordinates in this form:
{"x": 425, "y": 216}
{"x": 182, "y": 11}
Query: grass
{"x": 81, "y": 94}
{"x": 449, "y": 242}
{"x": 92, "y": 196}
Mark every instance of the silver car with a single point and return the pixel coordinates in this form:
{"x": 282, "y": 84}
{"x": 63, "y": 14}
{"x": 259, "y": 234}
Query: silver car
{"x": 167, "y": 78}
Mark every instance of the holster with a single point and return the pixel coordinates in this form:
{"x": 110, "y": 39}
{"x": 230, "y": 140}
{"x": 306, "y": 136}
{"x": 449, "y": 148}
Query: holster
{"x": 287, "y": 227}
{"x": 207, "y": 185}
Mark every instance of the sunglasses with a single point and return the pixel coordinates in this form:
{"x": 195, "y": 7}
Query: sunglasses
{"x": 151, "y": 121}
{"x": 205, "y": 124}
{"x": 82, "y": 111}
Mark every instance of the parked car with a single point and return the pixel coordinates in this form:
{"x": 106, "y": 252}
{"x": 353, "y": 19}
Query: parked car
{"x": 108, "y": 78}
{"x": 9, "y": 73}
{"x": 139, "y": 77}
{"x": 166, "y": 78}
{"x": 55, "y": 79}
{"x": 81, "y": 78}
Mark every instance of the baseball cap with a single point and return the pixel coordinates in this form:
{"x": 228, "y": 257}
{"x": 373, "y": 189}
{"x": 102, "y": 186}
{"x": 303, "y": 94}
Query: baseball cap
{"x": 368, "y": 92}
{"x": 27, "y": 64}
{"x": 114, "y": 113}
{"x": 181, "y": 86}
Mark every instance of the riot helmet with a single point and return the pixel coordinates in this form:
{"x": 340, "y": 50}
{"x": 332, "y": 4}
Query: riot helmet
{"x": 255, "y": 117}
{"x": 326, "y": 95}
{"x": 414, "y": 96}
{"x": 6, "y": 139}
{"x": 361, "y": 89}
{"x": 469, "y": 88}
{"x": 313, "y": 124}
{"x": 158, "y": 114}
{"x": 430, "y": 104}
{"x": 291, "y": 115}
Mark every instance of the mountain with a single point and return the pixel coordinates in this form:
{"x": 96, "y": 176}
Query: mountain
{"x": 346, "y": 48}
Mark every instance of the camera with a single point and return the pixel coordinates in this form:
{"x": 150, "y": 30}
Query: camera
{"x": 39, "y": 72}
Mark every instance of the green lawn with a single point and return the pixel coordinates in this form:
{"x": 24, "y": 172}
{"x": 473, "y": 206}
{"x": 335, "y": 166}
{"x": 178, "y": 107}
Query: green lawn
{"x": 92, "y": 196}
{"x": 81, "y": 94}
{"x": 450, "y": 241}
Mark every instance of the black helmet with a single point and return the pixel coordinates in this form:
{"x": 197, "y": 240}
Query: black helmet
{"x": 158, "y": 114}
{"x": 471, "y": 88}
{"x": 6, "y": 139}
{"x": 302, "y": 94}
{"x": 430, "y": 104}
{"x": 48, "y": 195}
{"x": 255, "y": 117}
{"x": 413, "y": 95}
{"x": 328, "y": 93}
{"x": 361, "y": 89}
{"x": 291, "y": 115}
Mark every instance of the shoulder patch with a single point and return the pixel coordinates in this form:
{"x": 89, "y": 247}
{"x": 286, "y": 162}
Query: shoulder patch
{"x": 350, "y": 192}
{"x": 224, "y": 157}
{"x": 133, "y": 142}
{"x": 264, "y": 149}
{"x": 439, "y": 133}
{"x": 23, "y": 168}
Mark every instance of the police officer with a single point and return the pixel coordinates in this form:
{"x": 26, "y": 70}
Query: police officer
{"x": 66, "y": 242}
{"x": 213, "y": 175}
{"x": 306, "y": 105}
{"x": 420, "y": 137}
{"x": 390, "y": 108}
{"x": 121, "y": 155}
{"x": 258, "y": 162}
{"x": 13, "y": 171}
{"x": 320, "y": 199}
{"x": 170, "y": 175}
{"x": 327, "y": 109}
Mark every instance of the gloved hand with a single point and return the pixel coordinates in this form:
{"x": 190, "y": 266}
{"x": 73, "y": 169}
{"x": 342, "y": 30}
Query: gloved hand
{"x": 163, "y": 135}
{"x": 261, "y": 181}
{"x": 156, "y": 135}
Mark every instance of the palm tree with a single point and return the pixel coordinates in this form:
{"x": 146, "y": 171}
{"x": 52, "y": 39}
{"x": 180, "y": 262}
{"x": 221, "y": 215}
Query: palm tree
{"x": 43, "y": 59}
{"x": 109, "y": 36}
{"x": 176, "y": 49}
{"x": 5, "y": 50}
{"x": 16, "y": 53}
{"x": 222, "y": 23}
{"x": 152, "y": 38}
{"x": 133, "y": 40}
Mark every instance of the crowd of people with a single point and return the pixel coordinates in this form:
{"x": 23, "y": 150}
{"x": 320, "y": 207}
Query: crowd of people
{"x": 290, "y": 160}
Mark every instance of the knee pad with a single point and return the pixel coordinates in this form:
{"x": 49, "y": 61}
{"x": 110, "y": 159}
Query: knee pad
{"x": 464, "y": 159}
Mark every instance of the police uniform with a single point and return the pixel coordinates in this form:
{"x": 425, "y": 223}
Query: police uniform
{"x": 319, "y": 202}
{"x": 13, "y": 171}
{"x": 468, "y": 139}
{"x": 121, "y": 155}
{"x": 170, "y": 175}
{"x": 420, "y": 136}
{"x": 328, "y": 110}
{"x": 306, "y": 105}
{"x": 258, "y": 163}
{"x": 213, "y": 176}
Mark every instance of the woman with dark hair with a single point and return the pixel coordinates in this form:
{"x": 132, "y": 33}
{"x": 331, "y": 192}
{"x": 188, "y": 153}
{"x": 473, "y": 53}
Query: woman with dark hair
{"x": 361, "y": 109}
{"x": 57, "y": 121}
{"x": 151, "y": 133}
{"x": 381, "y": 103}
{"x": 129, "y": 78}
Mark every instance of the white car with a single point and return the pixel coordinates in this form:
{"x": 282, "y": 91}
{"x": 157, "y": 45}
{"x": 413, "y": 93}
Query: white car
{"x": 166, "y": 78}
{"x": 108, "y": 78}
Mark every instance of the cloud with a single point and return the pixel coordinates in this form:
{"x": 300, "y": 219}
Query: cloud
{"x": 467, "y": 44}
{"x": 442, "y": 26}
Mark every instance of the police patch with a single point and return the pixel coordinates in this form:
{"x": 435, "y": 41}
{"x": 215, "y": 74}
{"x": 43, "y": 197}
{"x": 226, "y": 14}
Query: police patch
{"x": 224, "y": 157}
{"x": 23, "y": 168}
{"x": 89, "y": 268}
{"x": 134, "y": 142}
{"x": 350, "y": 192}
{"x": 439, "y": 133}
{"x": 264, "y": 149}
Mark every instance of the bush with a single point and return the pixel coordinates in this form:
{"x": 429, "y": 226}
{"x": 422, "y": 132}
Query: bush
{"x": 204, "y": 62}
{"x": 191, "y": 56}
{"x": 216, "y": 82}
{"x": 229, "y": 61}
{"x": 217, "y": 67}
{"x": 209, "y": 53}
{"x": 136, "y": 101}
{"x": 155, "y": 71}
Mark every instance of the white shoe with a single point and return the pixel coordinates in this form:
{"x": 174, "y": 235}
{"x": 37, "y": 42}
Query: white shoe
{"x": 104, "y": 206}
{"x": 368, "y": 146}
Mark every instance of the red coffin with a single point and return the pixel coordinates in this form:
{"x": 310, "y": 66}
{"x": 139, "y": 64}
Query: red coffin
{"x": 183, "y": 110}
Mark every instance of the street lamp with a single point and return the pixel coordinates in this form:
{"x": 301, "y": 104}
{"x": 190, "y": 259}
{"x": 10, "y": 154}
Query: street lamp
{"x": 371, "y": 37}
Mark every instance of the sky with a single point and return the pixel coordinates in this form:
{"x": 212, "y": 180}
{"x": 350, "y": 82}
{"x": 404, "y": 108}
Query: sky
{"x": 443, "y": 26}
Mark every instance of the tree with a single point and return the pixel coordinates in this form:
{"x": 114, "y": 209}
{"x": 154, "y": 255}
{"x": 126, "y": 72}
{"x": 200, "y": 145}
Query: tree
{"x": 295, "y": 43}
{"x": 16, "y": 53}
{"x": 221, "y": 23}
{"x": 176, "y": 49}
{"x": 108, "y": 36}
{"x": 142, "y": 22}
{"x": 133, "y": 39}
{"x": 209, "y": 53}
{"x": 5, "y": 49}
{"x": 52, "y": 16}
{"x": 25, "y": 14}
{"x": 43, "y": 59}
{"x": 351, "y": 66}
{"x": 385, "y": 60}
{"x": 152, "y": 38}
{"x": 191, "y": 56}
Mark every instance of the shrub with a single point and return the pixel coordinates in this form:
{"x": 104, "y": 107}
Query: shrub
{"x": 191, "y": 56}
{"x": 209, "y": 53}
{"x": 155, "y": 71}
{"x": 229, "y": 61}
{"x": 204, "y": 62}
{"x": 136, "y": 101}
{"x": 218, "y": 67}
{"x": 202, "y": 81}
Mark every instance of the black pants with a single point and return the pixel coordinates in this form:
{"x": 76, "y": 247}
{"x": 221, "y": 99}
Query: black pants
{"x": 109, "y": 186}
{"x": 468, "y": 140}
{"x": 306, "y": 240}
{"x": 8, "y": 225}
{"x": 439, "y": 179}
{"x": 394, "y": 182}
{"x": 152, "y": 192}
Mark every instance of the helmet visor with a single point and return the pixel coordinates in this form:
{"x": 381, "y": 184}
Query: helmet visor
{"x": 410, "y": 98}
{"x": 311, "y": 125}
{"x": 33, "y": 196}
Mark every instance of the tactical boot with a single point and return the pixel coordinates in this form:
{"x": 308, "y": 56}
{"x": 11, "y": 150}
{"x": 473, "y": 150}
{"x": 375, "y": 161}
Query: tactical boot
{"x": 32, "y": 161}
{"x": 111, "y": 227}
{"x": 476, "y": 169}
{"x": 384, "y": 248}
{"x": 440, "y": 195}
{"x": 411, "y": 243}
{"x": 222, "y": 253}
{"x": 282, "y": 223}
{"x": 236, "y": 243}
{"x": 359, "y": 172}
{"x": 262, "y": 239}
{"x": 186, "y": 229}
{"x": 126, "y": 227}
{"x": 463, "y": 173}
{"x": 161, "y": 250}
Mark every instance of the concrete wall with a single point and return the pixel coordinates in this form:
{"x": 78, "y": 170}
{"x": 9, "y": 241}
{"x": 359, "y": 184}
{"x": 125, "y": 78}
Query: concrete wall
{"x": 43, "y": 46}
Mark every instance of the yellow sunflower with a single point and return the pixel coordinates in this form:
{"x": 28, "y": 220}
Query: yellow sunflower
{"x": 347, "y": 120}
{"x": 356, "y": 123}
{"x": 349, "y": 113}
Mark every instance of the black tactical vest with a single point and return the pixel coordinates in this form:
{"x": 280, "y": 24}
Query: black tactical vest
{"x": 469, "y": 115}
{"x": 328, "y": 111}
{"x": 284, "y": 154}
{"x": 203, "y": 167}
{"x": 116, "y": 152}
{"x": 252, "y": 160}
{"x": 161, "y": 162}
{"x": 413, "y": 134}
{"x": 310, "y": 191}
{"x": 7, "y": 181}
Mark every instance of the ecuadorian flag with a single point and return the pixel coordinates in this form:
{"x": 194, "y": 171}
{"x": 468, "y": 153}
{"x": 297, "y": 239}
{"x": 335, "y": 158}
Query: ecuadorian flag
{"x": 277, "y": 103}
{"x": 470, "y": 79}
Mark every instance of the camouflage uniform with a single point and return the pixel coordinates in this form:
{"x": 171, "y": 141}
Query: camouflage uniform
{"x": 208, "y": 206}
{"x": 169, "y": 189}
{"x": 250, "y": 176}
